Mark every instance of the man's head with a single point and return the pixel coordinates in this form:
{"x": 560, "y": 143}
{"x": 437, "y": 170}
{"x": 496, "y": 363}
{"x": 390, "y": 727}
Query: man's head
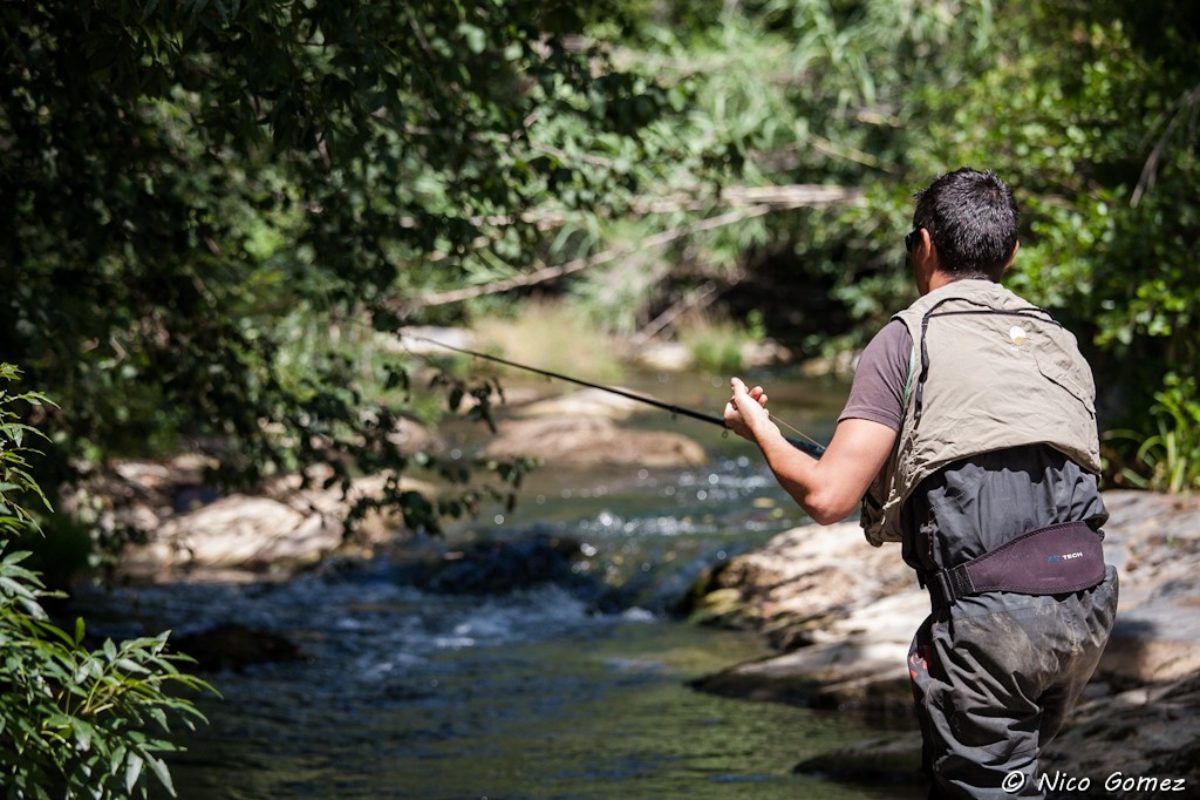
{"x": 964, "y": 226}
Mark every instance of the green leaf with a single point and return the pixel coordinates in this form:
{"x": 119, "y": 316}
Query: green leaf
{"x": 133, "y": 770}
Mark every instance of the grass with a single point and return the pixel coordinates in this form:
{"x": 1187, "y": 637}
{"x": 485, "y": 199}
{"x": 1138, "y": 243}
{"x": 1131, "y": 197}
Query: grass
{"x": 716, "y": 343}
{"x": 554, "y": 336}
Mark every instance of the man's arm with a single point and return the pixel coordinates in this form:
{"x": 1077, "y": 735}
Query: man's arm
{"x": 829, "y": 489}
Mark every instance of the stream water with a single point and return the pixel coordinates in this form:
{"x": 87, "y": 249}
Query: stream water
{"x": 530, "y": 694}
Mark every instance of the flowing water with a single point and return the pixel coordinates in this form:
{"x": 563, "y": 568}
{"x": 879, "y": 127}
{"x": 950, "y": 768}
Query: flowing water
{"x": 530, "y": 694}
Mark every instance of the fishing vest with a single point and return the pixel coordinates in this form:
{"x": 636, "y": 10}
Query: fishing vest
{"x": 988, "y": 371}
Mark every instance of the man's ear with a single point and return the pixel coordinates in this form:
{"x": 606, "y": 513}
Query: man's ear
{"x": 1013, "y": 254}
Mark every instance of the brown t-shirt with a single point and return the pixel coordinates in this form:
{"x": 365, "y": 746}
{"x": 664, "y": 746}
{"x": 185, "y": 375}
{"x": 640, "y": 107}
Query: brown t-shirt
{"x": 877, "y": 393}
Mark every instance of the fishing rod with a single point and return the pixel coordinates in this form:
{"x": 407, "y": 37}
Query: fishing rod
{"x": 810, "y": 446}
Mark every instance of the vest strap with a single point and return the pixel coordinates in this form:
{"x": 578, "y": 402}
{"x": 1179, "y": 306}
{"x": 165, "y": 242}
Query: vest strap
{"x": 1058, "y": 559}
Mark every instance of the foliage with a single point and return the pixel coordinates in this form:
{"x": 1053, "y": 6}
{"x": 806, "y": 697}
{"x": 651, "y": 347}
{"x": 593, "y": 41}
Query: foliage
{"x": 223, "y": 168}
{"x": 73, "y": 722}
{"x": 1170, "y": 457}
{"x": 717, "y": 344}
{"x": 1088, "y": 110}
{"x": 555, "y": 336}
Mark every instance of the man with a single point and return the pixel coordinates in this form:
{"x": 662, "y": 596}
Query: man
{"x": 970, "y": 437}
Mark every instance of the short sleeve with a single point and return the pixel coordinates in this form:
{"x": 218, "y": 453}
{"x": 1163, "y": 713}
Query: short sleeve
{"x": 877, "y": 393}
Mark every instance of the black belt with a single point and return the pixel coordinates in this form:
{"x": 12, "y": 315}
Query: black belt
{"x": 1057, "y": 559}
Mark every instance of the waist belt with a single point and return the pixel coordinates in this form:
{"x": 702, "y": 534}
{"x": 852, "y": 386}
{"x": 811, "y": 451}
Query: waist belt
{"x": 1057, "y": 559}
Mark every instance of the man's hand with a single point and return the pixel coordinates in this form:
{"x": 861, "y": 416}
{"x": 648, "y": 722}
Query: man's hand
{"x": 746, "y": 412}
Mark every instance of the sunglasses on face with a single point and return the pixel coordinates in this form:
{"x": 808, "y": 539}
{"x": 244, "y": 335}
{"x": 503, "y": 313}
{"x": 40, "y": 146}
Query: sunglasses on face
{"x": 911, "y": 239}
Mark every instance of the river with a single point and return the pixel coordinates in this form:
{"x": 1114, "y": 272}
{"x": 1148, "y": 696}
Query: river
{"x": 530, "y": 694}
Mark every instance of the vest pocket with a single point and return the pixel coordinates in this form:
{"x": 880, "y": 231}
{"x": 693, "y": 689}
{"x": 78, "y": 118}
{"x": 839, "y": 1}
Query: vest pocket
{"x": 1060, "y": 369}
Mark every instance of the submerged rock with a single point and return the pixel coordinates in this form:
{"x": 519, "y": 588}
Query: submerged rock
{"x": 887, "y": 759}
{"x": 500, "y": 566}
{"x": 587, "y": 441}
{"x": 232, "y": 646}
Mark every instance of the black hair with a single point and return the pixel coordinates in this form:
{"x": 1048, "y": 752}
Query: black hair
{"x": 972, "y": 219}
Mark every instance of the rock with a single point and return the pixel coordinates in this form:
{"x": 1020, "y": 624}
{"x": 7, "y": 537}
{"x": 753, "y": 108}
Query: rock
{"x": 855, "y": 663}
{"x": 589, "y": 441}
{"x": 408, "y": 341}
{"x": 135, "y": 495}
{"x": 585, "y": 403}
{"x": 887, "y": 759}
{"x": 1150, "y": 734}
{"x": 842, "y": 365}
{"x": 842, "y": 610}
{"x": 807, "y": 575}
{"x": 768, "y": 352}
{"x": 412, "y": 437}
{"x": 492, "y": 567}
{"x": 1137, "y": 734}
{"x": 1154, "y": 540}
{"x": 231, "y": 646}
{"x": 665, "y": 356}
{"x": 285, "y": 528}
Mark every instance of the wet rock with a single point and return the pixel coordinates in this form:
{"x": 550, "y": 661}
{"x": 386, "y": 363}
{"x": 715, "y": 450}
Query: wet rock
{"x": 855, "y": 663}
{"x": 590, "y": 441}
{"x": 232, "y": 646}
{"x": 493, "y": 567}
{"x": 1140, "y": 733}
{"x": 888, "y": 759}
{"x": 803, "y": 578}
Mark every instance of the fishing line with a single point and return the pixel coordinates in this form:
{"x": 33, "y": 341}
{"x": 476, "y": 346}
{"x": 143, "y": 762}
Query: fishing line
{"x": 807, "y": 444}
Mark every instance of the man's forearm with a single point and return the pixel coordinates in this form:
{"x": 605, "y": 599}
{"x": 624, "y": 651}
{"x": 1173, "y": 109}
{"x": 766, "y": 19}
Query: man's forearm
{"x": 797, "y": 472}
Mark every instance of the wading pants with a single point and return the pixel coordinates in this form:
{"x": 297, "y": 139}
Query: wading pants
{"x": 994, "y": 676}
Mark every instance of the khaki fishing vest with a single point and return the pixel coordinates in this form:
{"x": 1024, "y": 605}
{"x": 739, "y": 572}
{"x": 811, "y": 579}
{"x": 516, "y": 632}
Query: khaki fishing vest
{"x": 988, "y": 371}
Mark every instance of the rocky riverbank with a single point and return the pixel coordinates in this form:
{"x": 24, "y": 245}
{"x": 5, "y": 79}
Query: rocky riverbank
{"x": 182, "y": 528}
{"x": 842, "y": 613}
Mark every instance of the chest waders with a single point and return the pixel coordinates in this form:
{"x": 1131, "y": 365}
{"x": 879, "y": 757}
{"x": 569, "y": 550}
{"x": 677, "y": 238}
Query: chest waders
{"x": 992, "y": 490}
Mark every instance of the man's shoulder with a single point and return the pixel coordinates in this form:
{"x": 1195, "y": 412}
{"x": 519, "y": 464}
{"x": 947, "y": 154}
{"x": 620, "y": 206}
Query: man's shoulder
{"x": 892, "y": 338}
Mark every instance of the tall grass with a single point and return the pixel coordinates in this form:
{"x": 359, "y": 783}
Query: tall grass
{"x": 718, "y": 344}
{"x": 554, "y": 336}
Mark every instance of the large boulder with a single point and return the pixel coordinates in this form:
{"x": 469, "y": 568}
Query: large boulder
{"x": 1154, "y": 540}
{"x": 589, "y": 441}
{"x": 854, "y": 663}
{"x": 287, "y": 527}
{"x": 801, "y": 580}
{"x": 842, "y": 611}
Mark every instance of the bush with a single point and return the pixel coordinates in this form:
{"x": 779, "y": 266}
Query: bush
{"x": 74, "y": 722}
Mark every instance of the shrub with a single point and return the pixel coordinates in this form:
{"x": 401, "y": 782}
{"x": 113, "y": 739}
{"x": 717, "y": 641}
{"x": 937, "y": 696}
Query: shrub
{"x": 74, "y": 722}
